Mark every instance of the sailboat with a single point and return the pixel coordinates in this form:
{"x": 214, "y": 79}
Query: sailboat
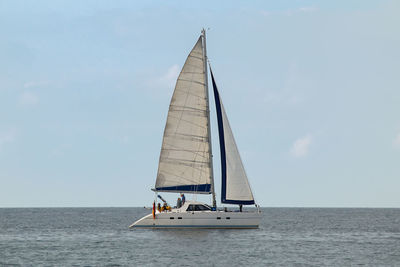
{"x": 186, "y": 165}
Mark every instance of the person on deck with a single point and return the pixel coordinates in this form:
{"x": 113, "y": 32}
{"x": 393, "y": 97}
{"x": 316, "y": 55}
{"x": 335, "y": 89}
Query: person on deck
{"x": 179, "y": 203}
{"x": 164, "y": 207}
{"x": 183, "y": 199}
{"x": 159, "y": 207}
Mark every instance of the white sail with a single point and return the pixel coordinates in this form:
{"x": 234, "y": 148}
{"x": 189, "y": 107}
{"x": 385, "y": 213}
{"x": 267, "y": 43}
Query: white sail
{"x": 184, "y": 164}
{"x": 235, "y": 187}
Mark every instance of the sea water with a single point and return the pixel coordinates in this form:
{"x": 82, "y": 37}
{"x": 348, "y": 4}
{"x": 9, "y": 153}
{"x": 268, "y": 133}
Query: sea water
{"x": 286, "y": 237}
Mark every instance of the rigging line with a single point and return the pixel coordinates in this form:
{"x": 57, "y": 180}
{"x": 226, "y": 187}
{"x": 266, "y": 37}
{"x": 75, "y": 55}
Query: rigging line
{"x": 192, "y": 166}
{"x": 195, "y": 54}
{"x": 188, "y": 138}
{"x": 189, "y": 168}
{"x": 189, "y": 113}
{"x": 181, "y": 178}
{"x": 198, "y": 148}
{"x": 181, "y": 148}
{"x": 194, "y": 113}
{"x": 178, "y": 160}
{"x": 187, "y": 121}
{"x": 187, "y": 163}
{"x": 193, "y": 138}
{"x": 193, "y": 65}
{"x": 187, "y": 92}
{"x": 195, "y": 180}
{"x": 202, "y": 171}
{"x": 188, "y": 151}
{"x": 186, "y": 99}
{"x": 187, "y": 182}
{"x": 193, "y": 135}
{"x": 195, "y": 57}
{"x": 193, "y": 152}
{"x": 192, "y": 108}
{"x": 192, "y": 72}
{"x": 185, "y": 149}
{"x": 204, "y": 166}
{"x": 184, "y": 80}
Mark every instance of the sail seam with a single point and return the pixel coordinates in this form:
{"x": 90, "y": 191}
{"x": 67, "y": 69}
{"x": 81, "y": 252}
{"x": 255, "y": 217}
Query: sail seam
{"x": 187, "y": 121}
{"x": 184, "y": 178}
{"x": 194, "y": 152}
{"x": 196, "y": 82}
{"x": 190, "y": 108}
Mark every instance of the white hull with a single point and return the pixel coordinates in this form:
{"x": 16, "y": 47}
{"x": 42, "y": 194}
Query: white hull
{"x": 179, "y": 218}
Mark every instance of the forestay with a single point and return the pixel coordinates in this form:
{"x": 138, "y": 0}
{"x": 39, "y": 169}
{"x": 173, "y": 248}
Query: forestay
{"x": 235, "y": 187}
{"x": 184, "y": 164}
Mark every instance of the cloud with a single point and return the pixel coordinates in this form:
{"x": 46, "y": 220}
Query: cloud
{"x": 165, "y": 80}
{"x": 284, "y": 97}
{"x": 28, "y": 99}
{"x": 265, "y": 13}
{"x": 308, "y": 9}
{"x": 169, "y": 78}
{"x": 396, "y": 141}
{"x": 60, "y": 150}
{"x": 7, "y": 136}
{"x": 35, "y": 84}
{"x": 289, "y": 12}
{"x": 294, "y": 89}
{"x": 301, "y": 146}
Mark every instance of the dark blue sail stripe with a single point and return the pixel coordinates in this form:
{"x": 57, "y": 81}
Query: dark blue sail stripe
{"x": 218, "y": 108}
{"x": 221, "y": 138}
{"x": 187, "y": 188}
{"x": 243, "y": 202}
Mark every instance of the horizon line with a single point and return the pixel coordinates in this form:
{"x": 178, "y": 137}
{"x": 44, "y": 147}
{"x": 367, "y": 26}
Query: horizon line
{"x": 149, "y": 207}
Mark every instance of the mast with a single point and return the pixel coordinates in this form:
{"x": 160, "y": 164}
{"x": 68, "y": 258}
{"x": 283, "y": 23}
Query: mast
{"x": 203, "y": 34}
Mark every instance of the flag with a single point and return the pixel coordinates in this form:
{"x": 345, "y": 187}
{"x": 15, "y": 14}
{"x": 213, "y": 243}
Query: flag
{"x": 154, "y": 210}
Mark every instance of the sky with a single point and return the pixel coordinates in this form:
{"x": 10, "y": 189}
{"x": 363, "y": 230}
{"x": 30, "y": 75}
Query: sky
{"x": 311, "y": 89}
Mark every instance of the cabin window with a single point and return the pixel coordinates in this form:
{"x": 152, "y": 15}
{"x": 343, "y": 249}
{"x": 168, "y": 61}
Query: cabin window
{"x": 190, "y": 208}
{"x": 198, "y": 208}
{"x": 201, "y": 207}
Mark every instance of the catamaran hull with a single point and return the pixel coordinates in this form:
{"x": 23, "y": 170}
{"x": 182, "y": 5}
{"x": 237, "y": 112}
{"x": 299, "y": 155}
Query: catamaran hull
{"x": 213, "y": 219}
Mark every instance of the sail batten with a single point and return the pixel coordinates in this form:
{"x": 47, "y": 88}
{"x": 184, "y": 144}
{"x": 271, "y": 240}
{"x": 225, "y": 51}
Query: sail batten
{"x": 184, "y": 164}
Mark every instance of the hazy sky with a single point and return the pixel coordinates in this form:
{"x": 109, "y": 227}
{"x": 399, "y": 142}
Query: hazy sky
{"x": 311, "y": 88}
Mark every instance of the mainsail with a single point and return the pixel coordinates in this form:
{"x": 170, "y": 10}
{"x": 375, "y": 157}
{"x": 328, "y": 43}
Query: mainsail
{"x": 235, "y": 187}
{"x": 185, "y": 161}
